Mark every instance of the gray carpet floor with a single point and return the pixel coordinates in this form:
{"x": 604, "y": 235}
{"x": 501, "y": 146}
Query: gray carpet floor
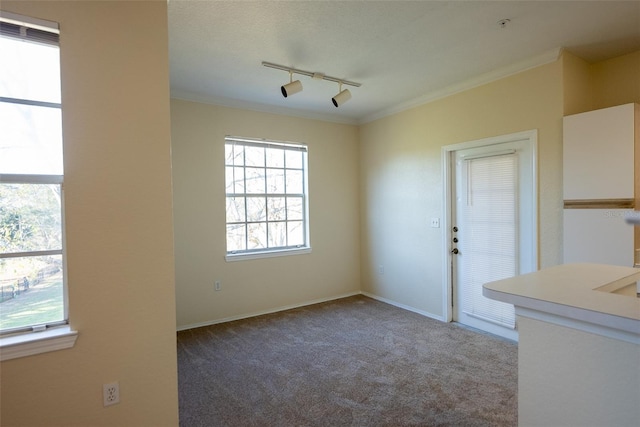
{"x": 350, "y": 362}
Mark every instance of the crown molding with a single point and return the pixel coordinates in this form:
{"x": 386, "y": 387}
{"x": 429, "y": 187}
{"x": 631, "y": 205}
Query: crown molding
{"x": 261, "y": 108}
{"x": 482, "y": 79}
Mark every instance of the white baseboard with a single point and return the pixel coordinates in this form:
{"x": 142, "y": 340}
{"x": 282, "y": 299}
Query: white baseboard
{"x": 260, "y": 313}
{"x": 316, "y": 301}
{"x": 404, "y": 307}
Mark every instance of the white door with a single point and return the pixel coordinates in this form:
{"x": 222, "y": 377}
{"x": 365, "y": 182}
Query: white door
{"x": 493, "y": 228}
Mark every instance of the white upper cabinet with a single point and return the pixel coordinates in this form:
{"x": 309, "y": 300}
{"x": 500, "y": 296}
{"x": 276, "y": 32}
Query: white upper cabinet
{"x": 598, "y": 151}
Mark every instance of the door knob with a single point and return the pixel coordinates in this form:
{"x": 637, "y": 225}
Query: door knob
{"x": 455, "y": 251}
{"x": 455, "y": 229}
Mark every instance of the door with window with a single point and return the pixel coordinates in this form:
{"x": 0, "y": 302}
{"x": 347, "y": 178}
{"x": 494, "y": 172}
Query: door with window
{"x": 493, "y": 234}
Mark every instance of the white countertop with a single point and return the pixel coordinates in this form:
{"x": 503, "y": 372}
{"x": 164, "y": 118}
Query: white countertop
{"x": 581, "y": 292}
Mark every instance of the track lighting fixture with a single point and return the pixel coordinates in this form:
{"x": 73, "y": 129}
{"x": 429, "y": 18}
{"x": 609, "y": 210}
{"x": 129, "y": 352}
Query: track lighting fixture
{"x": 342, "y": 96}
{"x": 291, "y": 87}
{"x": 294, "y": 87}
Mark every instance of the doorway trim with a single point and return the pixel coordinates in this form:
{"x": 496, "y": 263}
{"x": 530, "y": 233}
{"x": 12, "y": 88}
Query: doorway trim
{"x": 448, "y": 152}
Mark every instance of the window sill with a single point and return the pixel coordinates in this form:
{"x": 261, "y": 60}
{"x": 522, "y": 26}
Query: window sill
{"x": 29, "y": 344}
{"x": 270, "y": 254}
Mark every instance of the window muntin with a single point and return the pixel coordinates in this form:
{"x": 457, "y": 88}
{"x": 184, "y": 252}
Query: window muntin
{"x": 266, "y": 196}
{"x": 32, "y": 282}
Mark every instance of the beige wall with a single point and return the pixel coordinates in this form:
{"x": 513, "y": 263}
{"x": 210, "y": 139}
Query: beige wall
{"x": 577, "y": 83}
{"x": 402, "y": 186}
{"x": 616, "y": 81}
{"x": 114, "y": 58}
{"x": 255, "y": 286}
{"x": 603, "y": 84}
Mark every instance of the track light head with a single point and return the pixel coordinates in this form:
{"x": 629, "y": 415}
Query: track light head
{"x": 341, "y": 97}
{"x": 291, "y": 88}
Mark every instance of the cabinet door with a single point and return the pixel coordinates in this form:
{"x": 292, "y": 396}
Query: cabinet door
{"x": 598, "y": 235}
{"x": 598, "y": 154}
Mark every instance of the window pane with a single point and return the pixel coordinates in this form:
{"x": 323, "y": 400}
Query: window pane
{"x": 235, "y": 209}
{"x": 254, "y": 156}
{"x": 295, "y": 231}
{"x": 234, "y": 180}
{"x": 31, "y": 291}
{"x": 228, "y": 154}
{"x": 256, "y": 209}
{"x": 294, "y": 159}
{"x": 275, "y": 158}
{"x": 257, "y": 235}
{"x": 30, "y": 217}
{"x": 294, "y": 208}
{"x": 276, "y": 209}
{"x": 275, "y": 181}
{"x": 277, "y": 234}
{"x": 255, "y": 181}
{"x": 236, "y": 237}
{"x": 294, "y": 182}
{"x": 29, "y": 71}
{"x": 234, "y": 154}
{"x": 31, "y": 141}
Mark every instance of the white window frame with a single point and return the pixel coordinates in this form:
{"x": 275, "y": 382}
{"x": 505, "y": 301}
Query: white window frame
{"x": 36, "y": 339}
{"x": 245, "y": 254}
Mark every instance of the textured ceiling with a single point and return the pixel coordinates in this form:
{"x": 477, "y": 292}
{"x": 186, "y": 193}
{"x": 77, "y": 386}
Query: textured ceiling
{"x": 402, "y": 52}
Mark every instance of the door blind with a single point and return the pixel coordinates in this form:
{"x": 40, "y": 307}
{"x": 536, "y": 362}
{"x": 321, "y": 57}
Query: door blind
{"x": 490, "y": 245}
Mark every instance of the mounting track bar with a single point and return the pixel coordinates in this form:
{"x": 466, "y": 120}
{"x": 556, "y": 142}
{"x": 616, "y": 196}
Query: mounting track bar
{"x": 309, "y": 74}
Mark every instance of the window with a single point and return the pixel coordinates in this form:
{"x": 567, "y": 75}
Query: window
{"x": 32, "y": 282}
{"x": 266, "y": 197}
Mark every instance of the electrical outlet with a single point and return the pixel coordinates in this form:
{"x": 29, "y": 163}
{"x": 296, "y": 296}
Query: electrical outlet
{"x": 435, "y": 222}
{"x": 217, "y": 285}
{"x": 381, "y": 270}
{"x": 110, "y": 393}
